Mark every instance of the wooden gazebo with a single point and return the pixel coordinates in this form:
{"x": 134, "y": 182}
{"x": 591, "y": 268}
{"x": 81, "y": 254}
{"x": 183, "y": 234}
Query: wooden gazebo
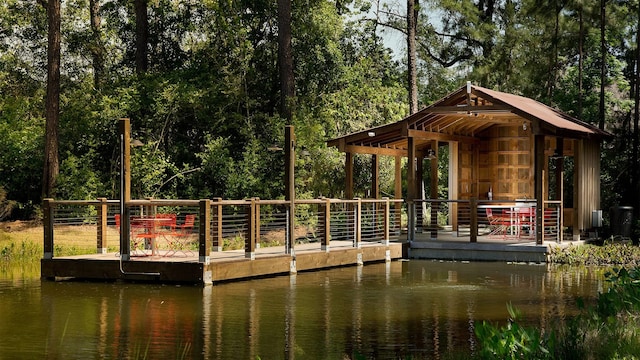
{"x": 497, "y": 142}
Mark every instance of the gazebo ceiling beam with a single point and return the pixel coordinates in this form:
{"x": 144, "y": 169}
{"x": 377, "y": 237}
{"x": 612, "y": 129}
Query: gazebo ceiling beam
{"x": 356, "y": 149}
{"x": 431, "y": 135}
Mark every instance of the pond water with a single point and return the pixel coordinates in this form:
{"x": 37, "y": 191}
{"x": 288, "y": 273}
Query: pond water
{"x": 403, "y": 309}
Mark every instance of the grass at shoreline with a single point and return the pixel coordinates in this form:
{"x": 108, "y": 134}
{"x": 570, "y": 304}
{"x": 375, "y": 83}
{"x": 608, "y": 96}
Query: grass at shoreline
{"x": 594, "y": 255}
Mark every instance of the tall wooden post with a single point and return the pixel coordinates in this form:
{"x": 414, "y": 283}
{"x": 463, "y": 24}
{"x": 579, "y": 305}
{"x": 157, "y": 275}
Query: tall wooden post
{"x": 397, "y": 192}
{"x": 411, "y": 189}
{"x": 47, "y": 209}
{"x": 125, "y": 187}
{"x": 539, "y": 185}
{"x": 421, "y": 207}
{"x": 560, "y": 185}
{"x": 433, "y": 187}
{"x": 101, "y": 245}
{"x": 250, "y": 239}
{"x": 375, "y": 175}
{"x": 290, "y": 189}
{"x": 204, "y": 233}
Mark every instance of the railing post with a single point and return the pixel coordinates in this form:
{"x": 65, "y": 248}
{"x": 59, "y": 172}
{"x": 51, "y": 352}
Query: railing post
{"x": 291, "y": 228}
{"x": 257, "y": 223}
{"x": 435, "y": 206}
{"x": 101, "y": 245}
{"x": 47, "y": 209}
{"x": 473, "y": 204}
{"x": 204, "y": 232}
{"x": 387, "y": 214}
{"x": 326, "y": 225}
{"x": 217, "y": 233}
{"x": 358, "y": 223}
{"x": 250, "y": 238}
{"x": 411, "y": 221}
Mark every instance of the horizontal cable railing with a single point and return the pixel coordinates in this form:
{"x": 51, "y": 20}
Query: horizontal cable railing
{"x": 487, "y": 220}
{"x": 186, "y": 227}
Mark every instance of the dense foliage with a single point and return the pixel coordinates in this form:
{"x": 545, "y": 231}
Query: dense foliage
{"x": 204, "y": 97}
{"x": 607, "y": 329}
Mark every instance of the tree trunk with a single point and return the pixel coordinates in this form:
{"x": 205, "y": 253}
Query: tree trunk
{"x": 97, "y": 47}
{"x": 636, "y": 121}
{"x": 603, "y": 65}
{"x": 412, "y": 25}
{"x": 52, "y": 112}
{"x": 285, "y": 60}
{"x": 580, "y": 61}
{"x": 142, "y": 35}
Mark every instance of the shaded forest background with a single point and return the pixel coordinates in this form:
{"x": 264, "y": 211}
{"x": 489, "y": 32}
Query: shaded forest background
{"x": 200, "y": 81}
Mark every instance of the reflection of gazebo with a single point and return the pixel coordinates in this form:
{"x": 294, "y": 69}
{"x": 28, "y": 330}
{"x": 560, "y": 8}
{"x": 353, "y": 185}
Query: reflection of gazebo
{"x": 496, "y": 141}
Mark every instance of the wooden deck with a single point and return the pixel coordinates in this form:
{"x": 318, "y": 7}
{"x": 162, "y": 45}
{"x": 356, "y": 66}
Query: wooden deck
{"x": 222, "y": 266}
{"x": 449, "y": 246}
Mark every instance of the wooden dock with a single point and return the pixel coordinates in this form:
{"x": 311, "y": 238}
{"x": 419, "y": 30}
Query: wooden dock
{"x": 222, "y": 266}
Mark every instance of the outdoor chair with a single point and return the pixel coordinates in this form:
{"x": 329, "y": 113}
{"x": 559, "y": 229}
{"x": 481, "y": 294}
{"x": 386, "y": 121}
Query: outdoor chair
{"x": 136, "y": 247}
{"x": 180, "y": 240}
{"x": 498, "y": 223}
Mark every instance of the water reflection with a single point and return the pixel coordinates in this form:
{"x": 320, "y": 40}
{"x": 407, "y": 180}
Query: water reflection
{"x": 419, "y": 309}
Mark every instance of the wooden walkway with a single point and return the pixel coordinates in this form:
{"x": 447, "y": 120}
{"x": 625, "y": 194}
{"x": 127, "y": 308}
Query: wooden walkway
{"x": 222, "y": 266}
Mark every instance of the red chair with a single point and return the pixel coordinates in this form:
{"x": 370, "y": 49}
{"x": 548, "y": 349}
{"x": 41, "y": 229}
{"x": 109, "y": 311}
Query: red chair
{"x": 137, "y": 244}
{"x": 499, "y": 224}
{"x": 180, "y": 240}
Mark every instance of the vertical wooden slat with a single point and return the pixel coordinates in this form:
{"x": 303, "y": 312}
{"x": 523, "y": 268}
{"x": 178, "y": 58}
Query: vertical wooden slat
{"x": 257, "y": 225}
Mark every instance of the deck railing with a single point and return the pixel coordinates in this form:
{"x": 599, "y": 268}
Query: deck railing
{"x": 222, "y": 224}
{"x": 471, "y": 218}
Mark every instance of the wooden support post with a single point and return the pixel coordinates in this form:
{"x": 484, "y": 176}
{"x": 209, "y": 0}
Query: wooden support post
{"x": 387, "y": 215}
{"x": 398, "y": 192}
{"x": 125, "y": 188}
{"x": 560, "y": 186}
{"x": 433, "y": 189}
{"x": 250, "y": 238}
{"x": 348, "y": 176}
{"x": 101, "y": 228}
{"x": 411, "y": 188}
{"x": 257, "y": 223}
{"x": 204, "y": 232}
{"x": 375, "y": 176}
{"x": 358, "y": 224}
{"x": 326, "y": 225}
{"x": 290, "y": 188}
{"x": 47, "y": 214}
{"x": 540, "y": 160}
{"x": 421, "y": 208}
{"x": 473, "y": 204}
{"x": 217, "y": 220}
